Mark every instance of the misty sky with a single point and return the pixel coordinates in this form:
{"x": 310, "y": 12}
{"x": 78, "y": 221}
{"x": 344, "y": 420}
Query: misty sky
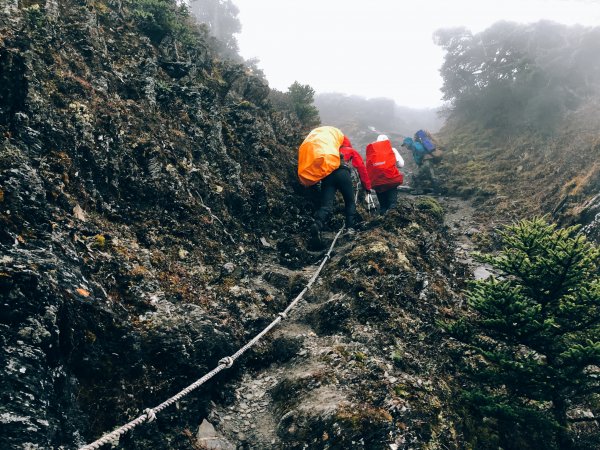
{"x": 377, "y": 48}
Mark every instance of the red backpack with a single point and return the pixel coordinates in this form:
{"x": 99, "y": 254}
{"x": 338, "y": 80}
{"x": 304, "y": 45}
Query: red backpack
{"x": 381, "y": 166}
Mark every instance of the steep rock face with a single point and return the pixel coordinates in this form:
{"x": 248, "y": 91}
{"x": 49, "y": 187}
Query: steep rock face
{"x": 136, "y": 179}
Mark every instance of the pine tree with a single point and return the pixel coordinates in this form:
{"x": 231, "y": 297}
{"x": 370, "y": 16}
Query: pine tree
{"x": 302, "y": 98}
{"x": 534, "y": 338}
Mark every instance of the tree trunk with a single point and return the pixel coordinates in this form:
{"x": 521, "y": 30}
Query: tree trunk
{"x": 560, "y": 415}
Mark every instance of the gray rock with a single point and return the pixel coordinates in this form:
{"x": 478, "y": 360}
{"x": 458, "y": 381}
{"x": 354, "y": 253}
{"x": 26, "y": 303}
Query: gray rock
{"x": 208, "y": 438}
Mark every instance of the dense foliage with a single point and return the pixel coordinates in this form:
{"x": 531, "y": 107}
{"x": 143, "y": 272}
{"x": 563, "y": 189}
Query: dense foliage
{"x": 533, "y": 347}
{"x": 161, "y": 18}
{"x": 520, "y": 75}
{"x": 302, "y": 97}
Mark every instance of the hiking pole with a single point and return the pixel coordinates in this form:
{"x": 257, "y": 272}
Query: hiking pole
{"x": 370, "y": 203}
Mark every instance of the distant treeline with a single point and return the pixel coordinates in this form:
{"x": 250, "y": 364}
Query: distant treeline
{"x": 381, "y": 113}
{"x": 520, "y": 76}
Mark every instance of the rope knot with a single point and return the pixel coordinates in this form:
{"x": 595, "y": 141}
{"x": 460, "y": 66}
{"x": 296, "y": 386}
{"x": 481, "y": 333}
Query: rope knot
{"x": 227, "y": 362}
{"x": 150, "y": 414}
{"x": 283, "y": 315}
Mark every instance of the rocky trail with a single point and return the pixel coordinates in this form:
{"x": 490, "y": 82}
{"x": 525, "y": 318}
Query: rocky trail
{"x": 465, "y": 225}
{"x": 256, "y": 411}
{"x": 269, "y": 404}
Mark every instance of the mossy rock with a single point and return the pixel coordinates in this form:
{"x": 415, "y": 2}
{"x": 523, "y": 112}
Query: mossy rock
{"x": 431, "y": 205}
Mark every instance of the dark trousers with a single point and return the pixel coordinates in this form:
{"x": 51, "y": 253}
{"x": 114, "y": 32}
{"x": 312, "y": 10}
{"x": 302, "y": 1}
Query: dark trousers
{"x": 425, "y": 175}
{"x": 340, "y": 179}
{"x": 387, "y": 200}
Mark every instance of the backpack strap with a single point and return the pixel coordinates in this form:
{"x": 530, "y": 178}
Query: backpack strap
{"x": 344, "y": 163}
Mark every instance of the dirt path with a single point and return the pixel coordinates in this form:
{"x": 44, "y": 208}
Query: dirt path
{"x": 461, "y": 219}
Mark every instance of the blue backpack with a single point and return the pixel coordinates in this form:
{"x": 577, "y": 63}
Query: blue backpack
{"x": 423, "y": 137}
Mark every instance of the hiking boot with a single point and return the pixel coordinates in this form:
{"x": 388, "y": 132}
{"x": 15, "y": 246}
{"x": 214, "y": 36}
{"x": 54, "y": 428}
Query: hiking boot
{"x": 315, "y": 235}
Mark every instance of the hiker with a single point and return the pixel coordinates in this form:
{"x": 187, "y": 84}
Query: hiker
{"x": 329, "y": 143}
{"x": 383, "y": 164}
{"x": 424, "y": 162}
{"x": 387, "y": 199}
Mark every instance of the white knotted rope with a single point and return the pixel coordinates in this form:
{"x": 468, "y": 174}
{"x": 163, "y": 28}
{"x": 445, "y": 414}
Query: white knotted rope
{"x": 225, "y": 363}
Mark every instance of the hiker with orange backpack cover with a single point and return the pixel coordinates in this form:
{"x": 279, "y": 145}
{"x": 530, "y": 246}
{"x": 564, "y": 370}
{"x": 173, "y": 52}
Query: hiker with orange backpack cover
{"x": 340, "y": 177}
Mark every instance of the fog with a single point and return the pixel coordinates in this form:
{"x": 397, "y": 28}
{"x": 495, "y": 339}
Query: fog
{"x": 380, "y": 48}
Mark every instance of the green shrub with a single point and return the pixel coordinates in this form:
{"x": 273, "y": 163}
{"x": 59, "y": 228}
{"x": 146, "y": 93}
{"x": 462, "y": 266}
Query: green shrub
{"x": 298, "y": 100}
{"x": 534, "y": 336}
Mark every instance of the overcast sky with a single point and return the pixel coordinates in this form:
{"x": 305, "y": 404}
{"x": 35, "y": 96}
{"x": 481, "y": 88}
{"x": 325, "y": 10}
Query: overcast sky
{"x": 377, "y": 48}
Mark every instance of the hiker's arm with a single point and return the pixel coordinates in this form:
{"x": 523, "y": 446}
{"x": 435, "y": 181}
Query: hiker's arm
{"x": 358, "y": 163}
{"x": 399, "y": 159}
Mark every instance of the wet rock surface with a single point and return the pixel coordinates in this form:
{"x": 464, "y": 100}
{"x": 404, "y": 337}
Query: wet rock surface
{"x": 590, "y": 217}
{"x": 136, "y": 182}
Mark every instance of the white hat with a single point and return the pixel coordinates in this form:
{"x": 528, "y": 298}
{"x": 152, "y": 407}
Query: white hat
{"x": 382, "y": 137}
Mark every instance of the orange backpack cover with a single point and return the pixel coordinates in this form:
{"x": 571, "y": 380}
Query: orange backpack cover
{"x": 381, "y": 166}
{"x": 319, "y": 154}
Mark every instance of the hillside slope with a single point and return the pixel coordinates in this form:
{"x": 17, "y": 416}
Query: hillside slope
{"x": 525, "y": 174}
{"x": 136, "y": 182}
{"x": 151, "y": 223}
